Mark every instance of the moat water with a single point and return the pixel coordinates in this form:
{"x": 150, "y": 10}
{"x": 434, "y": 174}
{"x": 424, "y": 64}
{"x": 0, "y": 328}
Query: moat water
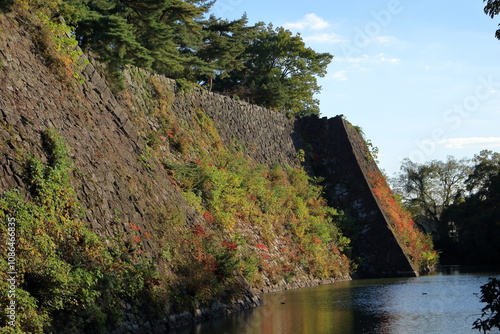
{"x": 441, "y": 303}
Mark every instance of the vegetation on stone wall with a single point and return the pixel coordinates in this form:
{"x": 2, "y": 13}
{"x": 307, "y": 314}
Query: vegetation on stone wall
{"x": 373, "y": 151}
{"x": 272, "y": 216}
{"x": 415, "y": 244}
{"x": 53, "y": 37}
{"x": 267, "y": 224}
{"x": 66, "y": 277}
{"x": 239, "y": 196}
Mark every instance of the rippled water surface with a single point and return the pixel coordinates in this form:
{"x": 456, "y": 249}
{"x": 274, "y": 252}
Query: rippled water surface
{"x": 446, "y": 302}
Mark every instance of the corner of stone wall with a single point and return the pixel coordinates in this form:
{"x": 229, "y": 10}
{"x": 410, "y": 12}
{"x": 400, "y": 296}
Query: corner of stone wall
{"x": 339, "y": 154}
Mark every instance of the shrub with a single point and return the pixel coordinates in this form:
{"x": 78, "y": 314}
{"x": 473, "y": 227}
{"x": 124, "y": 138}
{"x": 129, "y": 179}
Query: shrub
{"x": 67, "y": 276}
{"x": 415, "y": 244}
{"x": 54, "y": 38}
{"x": 236, "y": 193}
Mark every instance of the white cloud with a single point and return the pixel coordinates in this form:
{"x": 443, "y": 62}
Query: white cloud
{"x": 470, "y": 142}
{"x": 325, "y": 38}
{"x": 446, "y": 65}
{"x": 384, "y": 40}
{"x": 366, "y": 59}
{"x": 353, "y": 60}
{"x": 340, "y": 75}
{"x": 309, "y": 21}
{"x": 381, "y": 58}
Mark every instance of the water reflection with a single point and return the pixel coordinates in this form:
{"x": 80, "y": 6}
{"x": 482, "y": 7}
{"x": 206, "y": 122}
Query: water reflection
{"x": 442, "y": 303}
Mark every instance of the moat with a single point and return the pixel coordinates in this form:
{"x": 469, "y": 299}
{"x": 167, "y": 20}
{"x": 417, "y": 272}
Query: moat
{"x": 444, "y": 302}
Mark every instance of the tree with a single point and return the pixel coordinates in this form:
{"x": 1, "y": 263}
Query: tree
{"x": 490, "y": 294}
{"x": 486, "y": 166}
{"x": 492, "y": 9}
{"x": 279, "y": 72}
{"x": 267, "y": 66}
{"x": 224, "y": 44}
{"x": 113, "y": 39}
{"x": 476, "y": 218}
{"x": 428, "y": 189}
{"x": 460, "y": 198}
{"x": 158, "y": 34}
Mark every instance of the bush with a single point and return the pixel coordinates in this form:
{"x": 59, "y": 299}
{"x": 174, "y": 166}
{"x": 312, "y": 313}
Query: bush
{"x": 67, "y": 276}
{"x": 415, "y": 244}
{"x": 54, "y": 38}
{"x": 284, "y": 205}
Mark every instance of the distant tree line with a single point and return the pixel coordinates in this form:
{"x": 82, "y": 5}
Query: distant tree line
{"x": 259, "y": 63}
{"x": 458, "y": 202}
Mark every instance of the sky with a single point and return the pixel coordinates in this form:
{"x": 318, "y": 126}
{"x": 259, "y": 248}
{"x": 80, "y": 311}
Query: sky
{"x": 421, "y": 78}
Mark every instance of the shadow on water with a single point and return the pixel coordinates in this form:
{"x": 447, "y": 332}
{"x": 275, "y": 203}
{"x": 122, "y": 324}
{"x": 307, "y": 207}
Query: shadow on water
{"x": 443, "y": 302}
{"x": 461, "y": 269}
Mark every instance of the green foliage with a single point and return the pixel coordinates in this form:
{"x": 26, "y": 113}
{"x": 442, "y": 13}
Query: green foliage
{"x": 457, "y": 201}
{"x": 492, "y": 9}
{"x": 490, "y": 318}
{"x": 427, "y": 189}
{"x": 301, "y": 155}
{"x": 183, "y": 85}
{"x": 372, "y": 153}
{"x": 279, "y": 72}
{"x": 266, "y": 66}
{"x": 223, "y": 48}
{"x": 486, "y": 166}
{"x": 67, "y": 277}
{"x": 54, "y": 38}
{"x": 236, "y": 194}
{"x": 155, "y": 34}
{"x": 145, "y": 160}
{"x": 474, "y": 229}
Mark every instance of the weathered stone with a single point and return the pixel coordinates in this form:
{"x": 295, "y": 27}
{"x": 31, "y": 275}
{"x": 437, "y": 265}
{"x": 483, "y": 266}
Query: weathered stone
{"x": 337, "y": 144}
{"x": 105, "y": 142}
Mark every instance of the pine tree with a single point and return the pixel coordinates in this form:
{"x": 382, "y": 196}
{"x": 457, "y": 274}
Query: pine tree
{"x": 158, "y": 34}
{"x": 224, "y": 45}
{"x": 279, "y": 72}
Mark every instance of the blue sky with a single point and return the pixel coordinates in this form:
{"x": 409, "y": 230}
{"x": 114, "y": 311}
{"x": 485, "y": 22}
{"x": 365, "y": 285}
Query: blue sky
{"x": 421, "y": 78}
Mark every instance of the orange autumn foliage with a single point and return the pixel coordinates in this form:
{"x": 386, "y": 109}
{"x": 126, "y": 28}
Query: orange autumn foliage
{"x": 415, "y": 244}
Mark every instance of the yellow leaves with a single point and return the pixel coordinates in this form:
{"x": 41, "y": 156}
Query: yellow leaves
{"x": 56, "y": 38}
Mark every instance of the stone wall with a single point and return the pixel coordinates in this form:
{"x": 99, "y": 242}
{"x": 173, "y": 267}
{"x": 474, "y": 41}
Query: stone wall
{"x": 106, "y": 144}
{"x": 112, "y": 184}
{"x": 115, "y": 187}
{"x": 267, "y": 135}
{"x": 339, "y": 154}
